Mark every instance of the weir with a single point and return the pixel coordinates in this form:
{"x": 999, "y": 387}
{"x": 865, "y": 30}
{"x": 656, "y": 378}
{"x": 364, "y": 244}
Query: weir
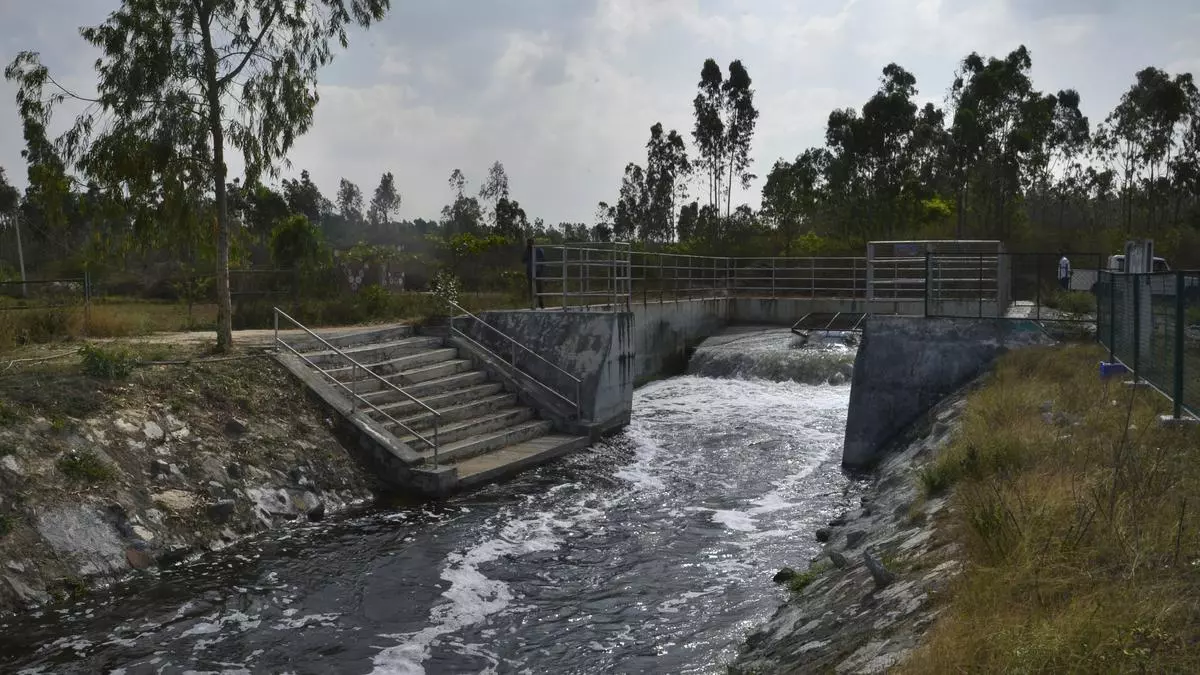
{"x": 549, "y": 380}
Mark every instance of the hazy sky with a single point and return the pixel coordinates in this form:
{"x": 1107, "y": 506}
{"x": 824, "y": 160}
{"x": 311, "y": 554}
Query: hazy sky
{"x": 564, "y": 92}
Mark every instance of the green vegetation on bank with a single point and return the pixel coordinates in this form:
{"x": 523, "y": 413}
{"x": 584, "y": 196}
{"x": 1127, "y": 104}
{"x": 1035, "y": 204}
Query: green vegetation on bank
{"x": 1077, "y": 515}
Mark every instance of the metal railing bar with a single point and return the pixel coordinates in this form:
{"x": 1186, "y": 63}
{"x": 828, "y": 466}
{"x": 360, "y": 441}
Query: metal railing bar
{"x": 517, "y": 370}
{"x": 372, "y": 406}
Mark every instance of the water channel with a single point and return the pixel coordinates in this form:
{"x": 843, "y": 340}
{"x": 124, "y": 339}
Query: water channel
{"x": 651, "y": 552}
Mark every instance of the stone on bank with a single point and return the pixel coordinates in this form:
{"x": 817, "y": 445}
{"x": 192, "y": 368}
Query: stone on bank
{"x": 101, "y": 480}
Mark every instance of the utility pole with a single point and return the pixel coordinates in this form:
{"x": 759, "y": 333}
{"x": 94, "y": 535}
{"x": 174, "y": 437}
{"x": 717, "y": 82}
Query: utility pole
{"x": 16, "y": 221}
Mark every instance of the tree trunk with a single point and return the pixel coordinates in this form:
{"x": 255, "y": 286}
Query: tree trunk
{"x": 213, "y": 95}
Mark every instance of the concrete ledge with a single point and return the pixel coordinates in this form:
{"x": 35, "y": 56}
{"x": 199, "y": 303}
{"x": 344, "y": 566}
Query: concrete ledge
{"x": 1172, "y": 422}
{"x": 906, "y": 365}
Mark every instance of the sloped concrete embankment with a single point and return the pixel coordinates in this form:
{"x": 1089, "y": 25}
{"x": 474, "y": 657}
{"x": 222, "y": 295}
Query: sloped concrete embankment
{"x": 101, "y": 480}
{"x": 870, "y": 594}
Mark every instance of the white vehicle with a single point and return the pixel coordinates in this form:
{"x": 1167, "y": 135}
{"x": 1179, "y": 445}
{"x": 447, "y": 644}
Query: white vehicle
{"x": 1085, "y": 280}
{"x": 1116, "y": 263}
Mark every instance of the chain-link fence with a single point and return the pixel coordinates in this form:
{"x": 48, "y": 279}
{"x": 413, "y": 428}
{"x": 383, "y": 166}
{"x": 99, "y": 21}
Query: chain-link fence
{"x": 1151, "y": 323}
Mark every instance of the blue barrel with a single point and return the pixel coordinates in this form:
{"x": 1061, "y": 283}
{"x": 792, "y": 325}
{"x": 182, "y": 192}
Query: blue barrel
{"x": 1108, "y": 370}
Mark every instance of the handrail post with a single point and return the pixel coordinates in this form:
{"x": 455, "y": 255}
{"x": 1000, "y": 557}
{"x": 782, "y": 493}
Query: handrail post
{"x": 566, "y": 255}
{"x": 1180, "y": 318}
{"x": 774, "y": 264}
{"x": 354, "y": 387}
{"x": 276, "y": 345}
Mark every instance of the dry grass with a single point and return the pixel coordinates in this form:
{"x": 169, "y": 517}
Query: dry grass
{"x": 1081, "y": 530}
{"x": 116, "y": 318}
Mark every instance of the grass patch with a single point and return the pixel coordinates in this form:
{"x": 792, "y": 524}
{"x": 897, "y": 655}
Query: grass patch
{"x": 1076, "y": 303}
{"x": 108, "y": 363}
{"x": 804, "y": 579}
{"x": 85, "y": 467}
{"x": 1080, "y": 533}
{"x": 6, "y": 525}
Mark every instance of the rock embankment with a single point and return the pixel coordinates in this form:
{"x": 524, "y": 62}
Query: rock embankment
{"x": 102, "y": 479}
{"x": 864, "y": 602}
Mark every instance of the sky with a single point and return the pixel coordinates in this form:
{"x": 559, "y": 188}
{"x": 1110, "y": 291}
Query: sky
{"x": 564, "y": 92}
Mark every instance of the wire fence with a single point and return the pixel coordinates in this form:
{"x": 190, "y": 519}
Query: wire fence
{"x": 1151, "y": 324}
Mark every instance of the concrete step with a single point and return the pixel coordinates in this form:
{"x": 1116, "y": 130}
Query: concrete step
{"x": 487, "y": 442}
{"x": 423, "y": 390}
{"x": 493, "y": 421}
{"x": 376, "y": 352}
{"x": 514, "y": 458}
{"x": 348, "y": 339}
{"x": 397, "y": 364}
{"x": 366, "y": 384}
{"x": 423, "y": 421}
{"x": 439, "y": 402}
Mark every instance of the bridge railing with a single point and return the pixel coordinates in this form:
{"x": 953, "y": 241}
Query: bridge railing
{"x": 612, "y": 276}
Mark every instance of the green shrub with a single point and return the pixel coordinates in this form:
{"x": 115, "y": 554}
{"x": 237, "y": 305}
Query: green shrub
{"x": 85, "y": 467}
{"x": 804, "y": 579}
{"x": 115, "y": 363}
{"x": 1072, "y": 302}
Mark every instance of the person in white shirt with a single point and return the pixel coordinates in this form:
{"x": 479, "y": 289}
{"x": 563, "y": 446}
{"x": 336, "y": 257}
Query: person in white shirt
{"x": 1064, "y": 271}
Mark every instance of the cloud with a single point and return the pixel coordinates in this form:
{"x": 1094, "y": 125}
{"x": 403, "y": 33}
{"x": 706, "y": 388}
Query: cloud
{"x": 564, "y": 92}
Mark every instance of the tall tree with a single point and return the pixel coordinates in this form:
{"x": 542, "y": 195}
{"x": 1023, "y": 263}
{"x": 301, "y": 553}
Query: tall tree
{"x": 10, "y": 197}
{"x": 793, "y": 194}
{"x": 463, "y": 215}
{"x": 304, "y": 197}
{"x": 386, "y": 201}
{"x": 631, "y": 209}
{"x": 510, "y": 219}
{"x": 998, "y": 126}
{"x": 350, "y": 202}
{"x": 184, "y": 79}
{"x": 494, "y": 188}
{"x": 709, "y": 129}
{"x": 740, "y": 119}
{"x": 667, "y": 168}
{"x": 1143, "y": 133}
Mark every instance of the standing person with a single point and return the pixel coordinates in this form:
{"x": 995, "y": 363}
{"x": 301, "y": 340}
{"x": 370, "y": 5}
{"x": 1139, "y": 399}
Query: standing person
{"x": 533, "y": 259}
{"x": 1064, "y": 271}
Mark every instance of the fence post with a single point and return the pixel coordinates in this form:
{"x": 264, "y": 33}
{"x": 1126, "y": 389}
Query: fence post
{"x": 1180, "y": 318}
{"x": 87, "y": 301}
{"x": 1137, "y": 324}
{"x": 1112, "y": 317}
{"x": 565, "y": 256}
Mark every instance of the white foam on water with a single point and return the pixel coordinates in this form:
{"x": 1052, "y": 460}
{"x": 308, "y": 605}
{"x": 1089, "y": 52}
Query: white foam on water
{"x": 739, "y": 521}
{"x": 472, "y": 596}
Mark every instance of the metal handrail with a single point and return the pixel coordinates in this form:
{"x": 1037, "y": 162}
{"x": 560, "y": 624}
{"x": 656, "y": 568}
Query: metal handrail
{"x": 355, "y": 397}
{"x": 514, "y": 346}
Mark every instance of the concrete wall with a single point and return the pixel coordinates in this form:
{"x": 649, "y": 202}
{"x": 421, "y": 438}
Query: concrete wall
{"x": 787, "y": 311}
{"x": 596, "y": 347}
{"x": 662, "y": 333}
{"x": 906, "y": 365}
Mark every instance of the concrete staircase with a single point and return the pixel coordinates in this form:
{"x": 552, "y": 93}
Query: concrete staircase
{"x": 484, "y": 432}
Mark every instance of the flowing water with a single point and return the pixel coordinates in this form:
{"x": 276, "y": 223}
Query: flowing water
{"x": 651, "y": 552}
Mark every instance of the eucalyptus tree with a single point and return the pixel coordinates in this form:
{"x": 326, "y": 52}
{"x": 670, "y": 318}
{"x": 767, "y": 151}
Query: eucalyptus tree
{"x": 181, "y": 82}
{"x": 385, "y": 202}
{"x": 667, "y": 169}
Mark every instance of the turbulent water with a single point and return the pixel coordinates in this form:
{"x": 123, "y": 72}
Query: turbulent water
{"x": 651, "y": 552}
